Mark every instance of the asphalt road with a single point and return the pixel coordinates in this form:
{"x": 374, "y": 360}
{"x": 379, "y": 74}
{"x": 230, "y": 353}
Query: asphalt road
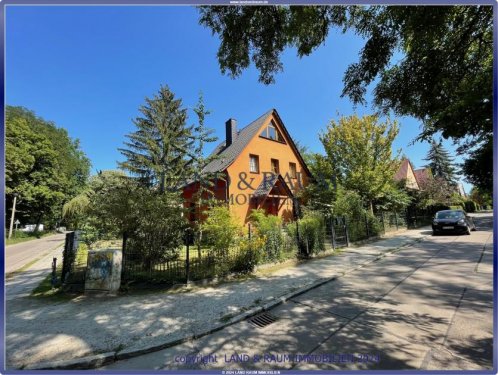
{"x": 18, "y": 255}
{"x": 426, "y": 307}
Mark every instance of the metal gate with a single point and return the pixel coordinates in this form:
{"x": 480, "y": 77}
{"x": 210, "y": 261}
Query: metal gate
{"x": 337, "y": 232}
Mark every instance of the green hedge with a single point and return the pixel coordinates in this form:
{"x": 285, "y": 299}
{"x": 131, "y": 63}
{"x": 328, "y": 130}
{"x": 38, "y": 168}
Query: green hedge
{"x": 470, "y": 206}
{"x": 311, "y": 233}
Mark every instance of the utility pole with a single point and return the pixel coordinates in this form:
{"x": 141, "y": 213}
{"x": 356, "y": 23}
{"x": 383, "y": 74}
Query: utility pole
{"x": 12, "y": 216}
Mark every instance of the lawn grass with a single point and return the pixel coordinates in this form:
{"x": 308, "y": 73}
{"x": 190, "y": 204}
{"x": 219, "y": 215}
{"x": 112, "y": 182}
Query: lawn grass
{"x": 44, "y": 290}
{"x": 19, "y": 237}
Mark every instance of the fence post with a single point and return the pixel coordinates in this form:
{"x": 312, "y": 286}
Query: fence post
{"x": 123, "y": 255}
{"x": 346, "y": 231}
{"x": 187, "y": 257}
{"x": 54, "y": 272}
{"x": 366, "y": 226}
{"x": 297, "y": 236}
{"x": 333, "y": 232}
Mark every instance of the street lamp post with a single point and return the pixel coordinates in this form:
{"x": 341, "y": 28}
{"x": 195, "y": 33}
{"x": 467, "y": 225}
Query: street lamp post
{"x": 12, "y": 216}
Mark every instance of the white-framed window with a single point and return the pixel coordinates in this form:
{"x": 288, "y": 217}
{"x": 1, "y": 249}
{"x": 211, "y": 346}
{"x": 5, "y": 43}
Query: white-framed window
{"x": 275, "y": 168}
{"x": 293, "y": 170}
{"x": 253, "y": 163}
{"x": 272, "y": 132}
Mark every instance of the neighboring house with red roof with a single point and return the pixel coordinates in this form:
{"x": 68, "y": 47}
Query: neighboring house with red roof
{"x": 262, "y": 167}
{"x": 423, "y": 176}
{"x": 406, "y": 173}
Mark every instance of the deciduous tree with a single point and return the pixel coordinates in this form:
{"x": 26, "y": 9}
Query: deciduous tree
{"x": 43, "y": 165}
{"x": 360, "y": 149}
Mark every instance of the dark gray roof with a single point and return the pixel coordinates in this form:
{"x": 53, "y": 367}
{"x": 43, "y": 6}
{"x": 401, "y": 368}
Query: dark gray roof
{"x": 266, "y": 185}
{"x": 269, "y": 183}
{"x": 226, "y": 155}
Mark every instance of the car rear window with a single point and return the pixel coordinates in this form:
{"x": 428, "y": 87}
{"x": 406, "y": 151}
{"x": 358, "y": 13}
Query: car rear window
{"x": 449, "y": 215}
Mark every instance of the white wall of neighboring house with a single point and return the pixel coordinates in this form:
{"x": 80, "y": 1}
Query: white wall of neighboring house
{"x": 411, "y": 181}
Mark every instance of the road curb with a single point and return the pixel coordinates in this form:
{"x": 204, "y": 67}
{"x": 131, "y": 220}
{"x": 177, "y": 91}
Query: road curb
{"x": 82, "y": 363}
{"x": 98, "y": 360}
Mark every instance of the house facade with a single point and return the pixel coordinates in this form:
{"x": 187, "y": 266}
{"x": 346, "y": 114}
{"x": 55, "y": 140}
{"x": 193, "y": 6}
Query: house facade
{"x": 415, "y": 179}
{"x": 406, "y": 173}
{"x": 262, "y": 168}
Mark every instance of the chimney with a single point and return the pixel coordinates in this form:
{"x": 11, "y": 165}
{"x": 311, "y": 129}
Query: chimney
{"x": 231, "y": 131}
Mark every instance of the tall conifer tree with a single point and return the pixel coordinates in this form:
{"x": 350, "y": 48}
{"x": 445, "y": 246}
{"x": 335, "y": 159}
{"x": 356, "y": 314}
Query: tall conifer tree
{"x": 440, "y": 162}
{"x": 157, "y": 152}
{"x": 204, "y": 179}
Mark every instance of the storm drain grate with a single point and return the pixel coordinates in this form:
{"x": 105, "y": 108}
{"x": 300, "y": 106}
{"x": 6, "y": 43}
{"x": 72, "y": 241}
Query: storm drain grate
{"x": 263, "y": 320}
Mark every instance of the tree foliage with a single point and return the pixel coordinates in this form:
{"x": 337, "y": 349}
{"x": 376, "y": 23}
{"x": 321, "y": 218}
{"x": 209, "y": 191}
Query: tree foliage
{"x": 321, "y": 192}
{"x": 440, "y": 162}
{"x": 482, "y": 198}
{"x": 436, "y": 191}
{"x": 205, "y": 181}
{"x": 430, "y": 62}
{"x": 222, "y": 229}
{"x": 114, "y": 205}
{"x": 44, "y": 166}
{"x": 360, "y": 149}
{"x": 157, "y": 152}
{"x": 479, "y": 167}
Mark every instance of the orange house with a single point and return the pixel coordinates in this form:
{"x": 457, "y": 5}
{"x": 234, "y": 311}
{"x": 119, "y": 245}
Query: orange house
{"x": 262, "y": 167}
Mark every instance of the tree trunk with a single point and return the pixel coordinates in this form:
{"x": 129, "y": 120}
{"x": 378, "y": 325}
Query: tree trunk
{"x": 38, "y": 221}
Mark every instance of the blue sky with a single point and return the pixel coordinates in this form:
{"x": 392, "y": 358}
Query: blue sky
{"x": 88, "y": 69}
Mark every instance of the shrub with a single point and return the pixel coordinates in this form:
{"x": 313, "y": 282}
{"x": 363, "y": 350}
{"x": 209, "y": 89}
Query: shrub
{"x": 311, "y": 233}
{"x": 248, "y": 256}
{"x": 268, "y": 227}
{"x": 470, "y": 206}
{"x": 348, "y": 203}
{"x": 222, "y": 230}
{"x": 158, "y": 227}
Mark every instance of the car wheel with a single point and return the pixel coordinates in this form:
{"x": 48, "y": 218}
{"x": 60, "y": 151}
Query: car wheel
{"x": 434, "y": 233}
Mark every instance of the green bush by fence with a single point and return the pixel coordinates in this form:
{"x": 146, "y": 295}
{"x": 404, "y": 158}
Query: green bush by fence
{"x": 308, "y": 233}
{"x": 470, "y": 206}
{"x": 268, "y": 228}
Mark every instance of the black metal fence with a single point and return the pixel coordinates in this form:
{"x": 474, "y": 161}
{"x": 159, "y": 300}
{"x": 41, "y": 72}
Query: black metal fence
{"x": 185, "y": 267}
{"x": 192, "y": 263}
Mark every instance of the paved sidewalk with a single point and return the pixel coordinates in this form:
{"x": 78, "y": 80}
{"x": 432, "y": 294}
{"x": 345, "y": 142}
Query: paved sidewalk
{"x": 38, "y": 331}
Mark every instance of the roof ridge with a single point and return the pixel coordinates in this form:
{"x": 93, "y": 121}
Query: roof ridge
{"x": 252, "y": 122}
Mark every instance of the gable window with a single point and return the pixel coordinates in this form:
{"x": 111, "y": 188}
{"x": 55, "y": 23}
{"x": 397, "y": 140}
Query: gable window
{"x": 274, "y": 166}
{"x": 254, "y": 163}
{"x": 271, "y": 132}
{"x": 293, "y": 170}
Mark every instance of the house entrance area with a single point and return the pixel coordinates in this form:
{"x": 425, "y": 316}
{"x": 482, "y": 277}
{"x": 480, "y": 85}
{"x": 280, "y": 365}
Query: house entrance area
{"x": 275, "y": 197}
